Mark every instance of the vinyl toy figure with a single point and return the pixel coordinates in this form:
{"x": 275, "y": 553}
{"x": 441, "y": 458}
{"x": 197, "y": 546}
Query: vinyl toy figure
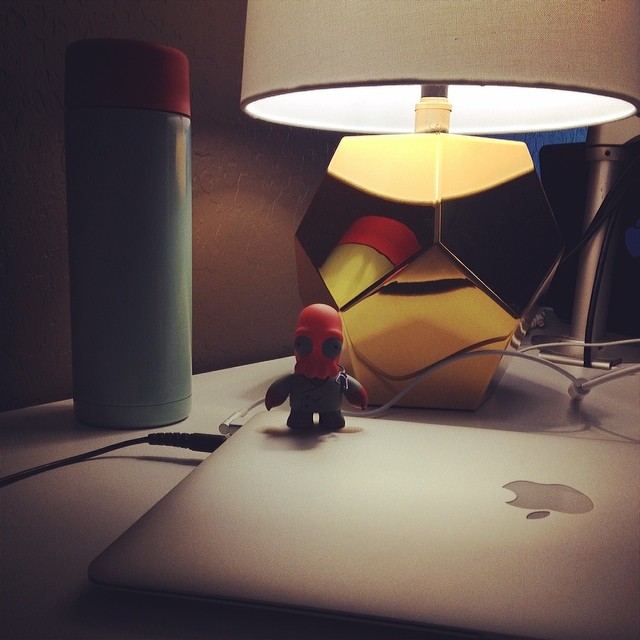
{"x": 318, "y": 382}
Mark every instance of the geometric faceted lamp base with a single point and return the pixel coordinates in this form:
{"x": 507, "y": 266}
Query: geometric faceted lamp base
{"x": 429, "y": 245}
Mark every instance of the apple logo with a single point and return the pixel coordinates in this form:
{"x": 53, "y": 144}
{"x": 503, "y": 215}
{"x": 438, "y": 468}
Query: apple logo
{"x": 632, "y": 240}
{"x": 544, "y": 498}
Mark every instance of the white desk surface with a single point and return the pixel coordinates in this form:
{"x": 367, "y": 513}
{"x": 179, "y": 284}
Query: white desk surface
{"x": 54, "y": 524}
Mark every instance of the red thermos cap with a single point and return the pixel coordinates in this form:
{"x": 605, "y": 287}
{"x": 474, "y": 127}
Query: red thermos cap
{"x": 127, "y": 73}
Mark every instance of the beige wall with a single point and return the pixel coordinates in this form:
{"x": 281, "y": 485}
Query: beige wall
{"x": 251, "y": 184}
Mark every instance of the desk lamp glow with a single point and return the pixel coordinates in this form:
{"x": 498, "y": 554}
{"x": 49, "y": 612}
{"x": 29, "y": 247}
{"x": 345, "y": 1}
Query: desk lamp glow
{"x": 431, "y": 243}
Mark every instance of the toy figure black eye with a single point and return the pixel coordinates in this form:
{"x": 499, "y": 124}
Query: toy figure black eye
{"x": 331, "y": 348}
{"x": 303, "y": 345}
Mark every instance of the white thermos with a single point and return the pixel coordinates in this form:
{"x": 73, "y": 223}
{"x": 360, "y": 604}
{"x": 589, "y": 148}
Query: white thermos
{"x": 128, "y": 163}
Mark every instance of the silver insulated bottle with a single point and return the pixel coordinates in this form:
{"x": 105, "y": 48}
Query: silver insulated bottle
{"x": 128, "y": 150}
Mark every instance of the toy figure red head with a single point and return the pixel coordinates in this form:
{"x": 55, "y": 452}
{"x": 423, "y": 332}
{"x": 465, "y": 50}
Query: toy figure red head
{"x": 318, "y": 342}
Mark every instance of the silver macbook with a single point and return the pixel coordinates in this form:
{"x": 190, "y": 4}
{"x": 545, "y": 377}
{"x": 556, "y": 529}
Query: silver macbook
{"x": 463, "y": 529}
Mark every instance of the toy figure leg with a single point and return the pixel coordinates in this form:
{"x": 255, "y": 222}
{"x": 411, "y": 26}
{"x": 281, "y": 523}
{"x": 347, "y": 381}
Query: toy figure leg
{"x": 331, "y": 420}
{"x": 300, "y": 419}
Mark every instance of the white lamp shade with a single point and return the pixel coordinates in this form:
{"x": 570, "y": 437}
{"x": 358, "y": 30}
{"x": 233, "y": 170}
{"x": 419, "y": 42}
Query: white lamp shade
{"x": 511, "y": 65}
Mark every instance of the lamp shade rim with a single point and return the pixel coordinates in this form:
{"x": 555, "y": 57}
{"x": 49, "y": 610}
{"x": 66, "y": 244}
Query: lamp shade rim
{"x": 477, "y": 109}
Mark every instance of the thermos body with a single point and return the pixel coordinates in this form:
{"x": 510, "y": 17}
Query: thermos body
{"x": 129, "y": 220}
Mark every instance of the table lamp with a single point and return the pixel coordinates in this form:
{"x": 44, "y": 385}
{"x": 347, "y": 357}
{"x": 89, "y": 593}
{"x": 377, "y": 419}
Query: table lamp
{"x": 430, "y": 241}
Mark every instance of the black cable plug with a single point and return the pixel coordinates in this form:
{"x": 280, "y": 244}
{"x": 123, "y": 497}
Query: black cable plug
{"x": 204, "y": 442}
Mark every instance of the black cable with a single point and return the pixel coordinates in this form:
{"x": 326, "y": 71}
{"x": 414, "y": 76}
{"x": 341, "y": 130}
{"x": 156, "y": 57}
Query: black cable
{"x": 193, "y": 441}
{"x": 609, "y": 206}
{"x": 598, "y": 281}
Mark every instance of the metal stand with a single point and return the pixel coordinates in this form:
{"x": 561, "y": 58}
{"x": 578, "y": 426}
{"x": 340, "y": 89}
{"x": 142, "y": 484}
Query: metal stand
{"x": 606, "y": 153}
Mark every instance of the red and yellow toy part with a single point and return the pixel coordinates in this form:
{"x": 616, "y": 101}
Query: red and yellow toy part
{"x": 371, "y": 248}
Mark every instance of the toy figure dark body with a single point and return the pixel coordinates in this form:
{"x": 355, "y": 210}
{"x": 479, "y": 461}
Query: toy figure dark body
{"x": 308, "y": 396}
{"x": 319, "y": 382}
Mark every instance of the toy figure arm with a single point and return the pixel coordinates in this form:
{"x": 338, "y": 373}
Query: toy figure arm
{"x": 278, "y": 392}
{"x": 355, "y": 393}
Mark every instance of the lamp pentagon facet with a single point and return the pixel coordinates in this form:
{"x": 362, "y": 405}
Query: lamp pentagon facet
{"x": 429, "y": 245}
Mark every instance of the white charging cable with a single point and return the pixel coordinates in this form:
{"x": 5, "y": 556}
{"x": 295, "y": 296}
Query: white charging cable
{"x": 229, "y": 426}
{"x": 579, "y": 343}
{"x": 372, "y": 413}
{"x": 578, "y": 388}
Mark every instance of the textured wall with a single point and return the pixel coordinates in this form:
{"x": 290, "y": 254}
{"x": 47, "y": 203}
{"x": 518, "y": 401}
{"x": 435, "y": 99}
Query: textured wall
{"x": 251, "y": 185}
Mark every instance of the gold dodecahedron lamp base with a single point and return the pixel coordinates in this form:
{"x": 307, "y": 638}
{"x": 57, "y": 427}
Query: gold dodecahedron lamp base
{"x": 429, "y": 245}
